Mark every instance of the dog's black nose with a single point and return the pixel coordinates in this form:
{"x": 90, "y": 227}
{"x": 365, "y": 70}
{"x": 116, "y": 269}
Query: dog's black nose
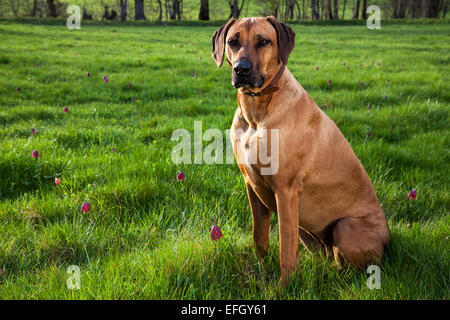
{"x": 242, "y": 67}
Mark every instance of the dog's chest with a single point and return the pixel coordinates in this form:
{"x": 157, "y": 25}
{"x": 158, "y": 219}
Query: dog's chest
{"x": 247, "y": 144}
{"x": 252, "y": 153}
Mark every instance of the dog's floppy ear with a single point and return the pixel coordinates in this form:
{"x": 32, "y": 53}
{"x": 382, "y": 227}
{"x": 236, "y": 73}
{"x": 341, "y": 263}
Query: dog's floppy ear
{"x": 285, "y": 38}
{"x": 218, "y": 42}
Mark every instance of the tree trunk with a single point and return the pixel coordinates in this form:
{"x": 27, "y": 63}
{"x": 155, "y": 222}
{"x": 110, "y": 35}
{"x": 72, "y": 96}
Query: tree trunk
{"x": 304, "y": 12}
{"x": 175, "y": 10}
{"x": 299, "y": 14}
{"x": 395, "y": 9}
{"x": 105, "y": 13}
{"x": 235, "y": 11}
{"x": 412, "y": 8}
{"x": 336, "y": 9}
{"x": 51, "y": 9}
{"x": 314, "y": 13}
{"x": 356, "y": 15}
{"x": 291, "y": 9}
{"x": 86, "y": 15}
{"x": 319, "y": 9}
{"x": 123, "y": 10}
{"x": 139, "y": 10}
{"x": 14, "y": 8}
{"x": 330, "y": 12}
{"x": 343, "y": 10}
{"x": 402, "y": 9}
{"x": 364, "y": 10}
{"x": 160, "y": 10}
{"x": 34, "y": 10}
{"x": 166, "y": 7}
{"x": 433, "y": 9}
{"x": 204, "y": 10}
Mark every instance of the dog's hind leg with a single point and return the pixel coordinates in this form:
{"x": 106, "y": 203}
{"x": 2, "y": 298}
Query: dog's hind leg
{"x": 360, "y": 241}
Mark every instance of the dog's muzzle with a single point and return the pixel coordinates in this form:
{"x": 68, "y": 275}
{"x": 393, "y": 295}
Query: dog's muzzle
{"x": 244, "y": 76}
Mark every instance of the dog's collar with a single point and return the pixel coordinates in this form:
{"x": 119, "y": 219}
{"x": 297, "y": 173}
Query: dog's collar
{"x": 270, "y": 88}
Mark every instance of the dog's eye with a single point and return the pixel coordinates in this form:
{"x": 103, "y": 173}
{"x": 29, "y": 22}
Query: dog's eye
{"x": 263, "y": 43}
{"x": 233, "y": 43}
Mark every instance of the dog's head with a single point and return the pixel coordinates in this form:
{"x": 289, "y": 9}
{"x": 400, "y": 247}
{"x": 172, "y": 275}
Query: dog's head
{"x": 254, "y": 48}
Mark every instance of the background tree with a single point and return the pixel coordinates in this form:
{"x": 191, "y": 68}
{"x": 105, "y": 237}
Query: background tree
{"x": 235, "y": 9}
{"x": 329, "y": 11}
{"x": 51, "y": 9}
{"x": 433, "y": 9}
{"x": 314, "y": 11}
{"x": 220, "y": 10}
{"x": 364, "y": 10}
{"x": 343, "y": 10}
{"x": 34, "y": 10}
{"x": 204, "y": 10}
{"x": 356, "y": 11}
{"x": 175, "y": 12}
{"x": 123, "y": 10}
{"x": 159, "y": 10}
{"x": 139, "y": 10}
{"x": 336, "y": 10}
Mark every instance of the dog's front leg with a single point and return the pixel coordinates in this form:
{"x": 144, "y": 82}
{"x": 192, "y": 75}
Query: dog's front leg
{"x": 261, "y": 223}
{"x": 287, "y": 208}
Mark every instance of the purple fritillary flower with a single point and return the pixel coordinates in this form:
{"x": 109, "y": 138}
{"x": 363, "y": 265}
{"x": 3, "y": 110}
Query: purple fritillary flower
{"x": 216, "y": 233}
{"x": 180, "y": 176}
{"x": 85, "y": 207}
{"x": 105, "y": 78}
{"x": 35, "y": 154}
{"x": 89, "y": 74}
{"x": 412, "y": 194}
{"x": 33, "y": 131}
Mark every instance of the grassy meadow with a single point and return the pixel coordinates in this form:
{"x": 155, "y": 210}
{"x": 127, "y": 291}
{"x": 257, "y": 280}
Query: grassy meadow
{"x": 147, "y": 234}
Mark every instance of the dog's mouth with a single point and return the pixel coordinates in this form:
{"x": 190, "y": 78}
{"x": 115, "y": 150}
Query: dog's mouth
{"x": 247, "y": 81}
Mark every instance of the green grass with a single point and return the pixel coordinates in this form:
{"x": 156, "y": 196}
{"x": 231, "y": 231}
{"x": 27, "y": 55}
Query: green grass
{"x": 147, "y": 235}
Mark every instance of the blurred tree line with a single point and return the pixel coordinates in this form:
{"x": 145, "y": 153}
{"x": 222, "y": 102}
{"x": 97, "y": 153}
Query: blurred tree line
{"x": 223, "y": 9}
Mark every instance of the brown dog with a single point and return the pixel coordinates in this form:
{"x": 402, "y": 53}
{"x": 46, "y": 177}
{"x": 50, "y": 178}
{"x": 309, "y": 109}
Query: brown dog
{"x": 318, "y": 187}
